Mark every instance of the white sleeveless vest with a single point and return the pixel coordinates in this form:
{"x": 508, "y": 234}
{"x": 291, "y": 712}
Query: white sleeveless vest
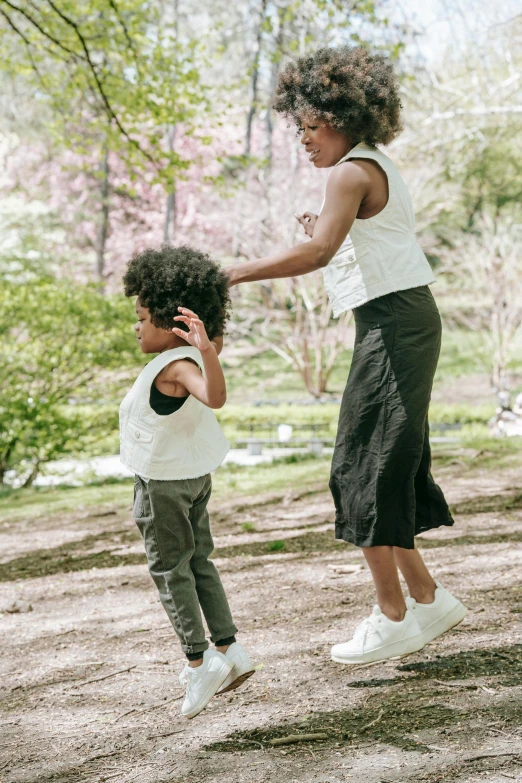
{"x": 188, "y": 443}
{"x": 380, "y": 254}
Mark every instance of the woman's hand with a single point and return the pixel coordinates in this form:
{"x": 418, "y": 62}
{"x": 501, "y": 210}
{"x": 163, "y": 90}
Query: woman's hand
{"x": 229, "y": 271}
{"x": 308, "y": 221}
{"x": 197, "y": 334}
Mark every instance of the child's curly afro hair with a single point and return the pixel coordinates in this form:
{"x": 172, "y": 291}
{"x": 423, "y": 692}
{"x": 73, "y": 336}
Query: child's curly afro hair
{"x": 179, "y": 277}
{"x": 355, "y": 92}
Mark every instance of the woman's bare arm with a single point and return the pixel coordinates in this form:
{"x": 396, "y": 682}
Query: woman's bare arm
{"x": 347, "y": 186}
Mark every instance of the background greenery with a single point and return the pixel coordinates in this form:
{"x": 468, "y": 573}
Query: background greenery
{"x": 125, "y": 124}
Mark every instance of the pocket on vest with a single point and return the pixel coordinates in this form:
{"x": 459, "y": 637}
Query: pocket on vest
{"x": 350, "y": 256}
{"x": 138, "y": 433}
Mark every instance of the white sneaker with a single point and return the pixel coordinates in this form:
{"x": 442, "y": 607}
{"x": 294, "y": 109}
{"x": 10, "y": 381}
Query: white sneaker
{"x": 378, "y": 638}
{"x": 243, "y": 667}
{"x": 438, "y": 617}
{"x": 202, "y": 682}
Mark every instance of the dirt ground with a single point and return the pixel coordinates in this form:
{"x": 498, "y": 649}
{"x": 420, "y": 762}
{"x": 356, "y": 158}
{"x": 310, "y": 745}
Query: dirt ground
{"x": 89, "y": 664}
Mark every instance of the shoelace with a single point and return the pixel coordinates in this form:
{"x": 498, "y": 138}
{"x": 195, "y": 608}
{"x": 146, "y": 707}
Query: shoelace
{"x": 184, "y": 677}
{"x": 364, "y": 628}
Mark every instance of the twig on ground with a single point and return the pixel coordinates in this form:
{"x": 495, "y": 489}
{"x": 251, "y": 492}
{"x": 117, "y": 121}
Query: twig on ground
{"x": 499, "y": 731}
{"x": 292, "y": 738}
{"x": 450, "y": 684}
{"x": 27, "y": 688}
{"x": 480, "y": 756}
{"x": 99, "y": 756}
{"x": 373, "y": 722}
{"x": 364, "y": 665}
{"x": 152, "y": 707}
{"x": 167, "y": 734}
{"x": 106, "y": 676}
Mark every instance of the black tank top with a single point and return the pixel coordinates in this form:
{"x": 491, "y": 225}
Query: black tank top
{"x": 163, "y": 404}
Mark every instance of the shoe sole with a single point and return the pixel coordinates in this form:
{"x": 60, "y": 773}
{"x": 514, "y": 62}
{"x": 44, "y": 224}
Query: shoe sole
{"x": 392, "y": 651}
{"x": 239, "y": 680}
{"x": 445, "y": 623}
{"x": 218, "y": 682}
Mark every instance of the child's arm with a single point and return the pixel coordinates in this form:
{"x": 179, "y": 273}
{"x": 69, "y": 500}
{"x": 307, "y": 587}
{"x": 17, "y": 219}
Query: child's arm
{"x": 210, "y": 389}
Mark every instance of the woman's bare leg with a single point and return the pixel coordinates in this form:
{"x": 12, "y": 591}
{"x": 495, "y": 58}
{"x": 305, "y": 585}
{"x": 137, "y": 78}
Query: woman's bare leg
{"x": 419, "y": 580}
{"x": 390, "y": 598}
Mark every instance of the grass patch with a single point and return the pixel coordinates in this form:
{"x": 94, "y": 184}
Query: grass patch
{"x": 228, "y": 482}
{"x": 276, "y": 546}
{"x": 240, "y": 481}
{"x": 234, "y": 481}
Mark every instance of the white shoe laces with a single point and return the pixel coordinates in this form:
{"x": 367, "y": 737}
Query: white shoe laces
{"x": 184, "y": 676}
{"x": 363, "y": 629}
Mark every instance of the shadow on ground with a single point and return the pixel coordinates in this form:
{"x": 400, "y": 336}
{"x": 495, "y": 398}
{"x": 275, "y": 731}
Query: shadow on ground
{"x": 394, "y": 715}
{"x": 503, "y": 663}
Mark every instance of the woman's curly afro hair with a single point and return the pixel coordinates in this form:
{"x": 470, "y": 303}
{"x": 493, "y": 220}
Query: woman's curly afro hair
{"x": 179, "y": 277}
{"x": 355, "y": 92}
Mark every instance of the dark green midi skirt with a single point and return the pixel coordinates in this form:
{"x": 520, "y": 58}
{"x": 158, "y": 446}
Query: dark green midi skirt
{"x": 381, "y": 479}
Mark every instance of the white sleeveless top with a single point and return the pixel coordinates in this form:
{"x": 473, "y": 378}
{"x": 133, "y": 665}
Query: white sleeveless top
{"x": 188, "y": 443}
{"x": 380, "y": 254}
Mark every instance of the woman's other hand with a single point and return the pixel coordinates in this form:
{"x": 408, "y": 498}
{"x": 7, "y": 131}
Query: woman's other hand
{"x": 308, "y": 221}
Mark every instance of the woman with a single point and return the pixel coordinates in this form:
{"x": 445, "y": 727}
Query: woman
{"x": 346, "y": 101}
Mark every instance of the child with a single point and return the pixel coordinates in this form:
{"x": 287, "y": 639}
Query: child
{"x": 171, "y": 440}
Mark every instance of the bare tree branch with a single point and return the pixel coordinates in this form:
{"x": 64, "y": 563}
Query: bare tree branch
{"x": 40, "y": 29}
{"x": 476, "y": 112}
{"x": 121, "y": 20}
{"x": 78, "y": 56}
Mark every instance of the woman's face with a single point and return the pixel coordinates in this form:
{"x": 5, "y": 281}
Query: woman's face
{"x": 325, "y": 145}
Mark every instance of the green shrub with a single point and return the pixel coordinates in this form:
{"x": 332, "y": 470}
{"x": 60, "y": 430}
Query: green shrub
{"x": 62, "y": 342}
{"x": 236, "y": 419}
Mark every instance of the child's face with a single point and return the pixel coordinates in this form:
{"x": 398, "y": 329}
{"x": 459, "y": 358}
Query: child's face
{"x": 150, "y": 337}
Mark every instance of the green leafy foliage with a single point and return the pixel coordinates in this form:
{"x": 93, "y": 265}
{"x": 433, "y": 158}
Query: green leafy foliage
{"x": 105, "y": 73}
{"x": 62, "y": 343}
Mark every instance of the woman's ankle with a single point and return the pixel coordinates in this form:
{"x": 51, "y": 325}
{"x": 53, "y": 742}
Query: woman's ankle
{"x": 392, "y": 612}
{"x": 423, "y": 595}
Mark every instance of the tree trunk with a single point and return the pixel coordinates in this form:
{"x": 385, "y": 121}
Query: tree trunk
{"x": 103, "y": 222}
{"x": 255, "y": 78}
{"x": 171, "y": 214}
{"x": 169, "y": 231}
{"x": 265, "y": 174}
{"x": 4, "y": 461}
{"x": 29, "y": 480}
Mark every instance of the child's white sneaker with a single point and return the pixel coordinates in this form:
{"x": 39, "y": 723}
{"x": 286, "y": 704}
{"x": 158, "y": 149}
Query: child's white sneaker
{"x": 438, "y": 617}
{"x": 378, "y": 638}
{"x": 243, "y": 667}
{"x": 203, "y": 681}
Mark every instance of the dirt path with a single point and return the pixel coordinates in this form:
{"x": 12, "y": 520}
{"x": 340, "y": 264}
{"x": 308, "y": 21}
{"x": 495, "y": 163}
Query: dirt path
{"x": 89, "y": 683}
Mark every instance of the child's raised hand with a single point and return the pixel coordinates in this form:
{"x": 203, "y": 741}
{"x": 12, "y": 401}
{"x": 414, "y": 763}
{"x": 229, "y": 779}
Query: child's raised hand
{"x": 197, "y": 334}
